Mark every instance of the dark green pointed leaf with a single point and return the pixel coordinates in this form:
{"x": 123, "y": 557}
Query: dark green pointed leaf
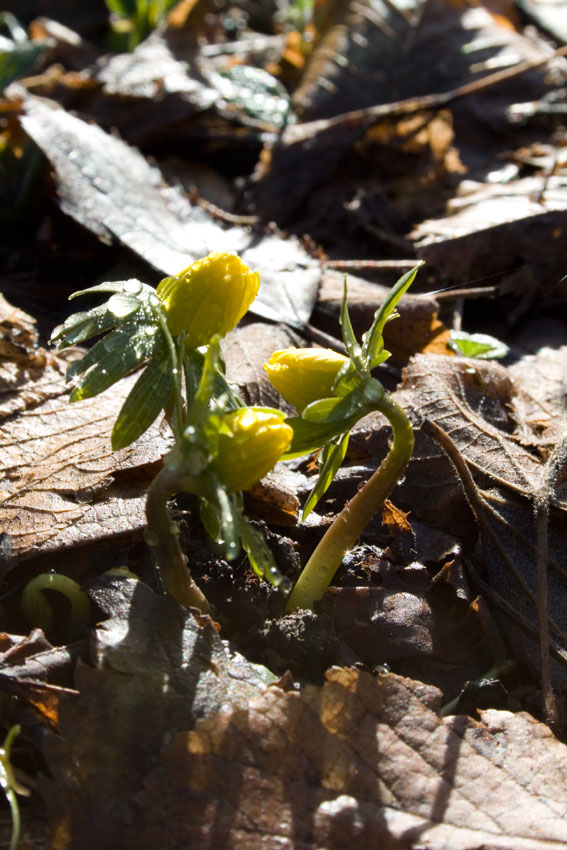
{"x": 354, "y": 404}
{"x": 351, "y": 343}
{"x": 82, "y": 326}
{"x": 331, "y": 458}
{"x": 380, "y": 358}
{"x": 260, "y": 555}
{"x": 128, "y": 287}
{"x": 229, "y": 523}
{"x": 114, "y": 340}
{"x": 210, "y": 519}
{"x": 372, "y": 340}
{"x": 193, "y": 366}
{"x": 144, "y": 403}
{"x": 127, "y": 351}
{"x": 310, "y": 436}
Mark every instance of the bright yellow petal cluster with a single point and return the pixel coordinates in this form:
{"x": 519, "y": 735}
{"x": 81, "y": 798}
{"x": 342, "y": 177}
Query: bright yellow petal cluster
{"x": 210, "y": 297}
{"x": 304, "y": 375}
{"x": 251, "y": 442}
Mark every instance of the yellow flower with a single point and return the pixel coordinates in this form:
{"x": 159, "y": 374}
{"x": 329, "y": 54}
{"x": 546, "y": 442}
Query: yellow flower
{"x": 249, "y": 445}
{"x": 210, "y": 297}
{"x": 303, "y": 375}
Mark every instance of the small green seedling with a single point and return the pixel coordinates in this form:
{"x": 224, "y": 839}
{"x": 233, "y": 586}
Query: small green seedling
{"x": 11, "y": 786}
{"x": 479, "y": 346}
{"x": 38, "y": 612}
{"x": 332, "y": 392}
{"x": 132, "y": 21}
{"x": 220, "y": 447}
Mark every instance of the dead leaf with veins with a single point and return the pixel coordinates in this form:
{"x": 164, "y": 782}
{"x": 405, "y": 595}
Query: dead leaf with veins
{"x": 472, "y": 404}
{"x": 359, "y": 762}
{"x": 58, "y": 472}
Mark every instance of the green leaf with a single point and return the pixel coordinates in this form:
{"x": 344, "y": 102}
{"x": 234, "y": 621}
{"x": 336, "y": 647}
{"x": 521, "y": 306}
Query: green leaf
{"x": 18, "y": 53}
{"x": 351, "y": 343}
{"x": 210, "y": 518}
{"x": 355, "y": 404}
{"x": 229, "y": 516}
{"x": 479, "y": 346}
{"x": 119, "y": 353}
{"x": 129, "y": 296}
{"x": 310, "y": 436}
{"x": 193, "y": 365}
{"x": 127, "y": 287}
{"x": 331, "y": 458}
{"x": 256, "y": 93}
{"x": 144, "y": 403}
{"x": 322, "y": 410}
{"x": 82, "y": 326}
{"x": 260, "y": 555}
{"x": 372, "y": 340}
{"x": 200, "y": 405}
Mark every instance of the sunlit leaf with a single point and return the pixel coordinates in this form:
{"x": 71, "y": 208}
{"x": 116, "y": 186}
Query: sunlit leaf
{"x": 339, "y": 409}
{"x": 480, "y": 346}
{"x": 351, "y": 343}
{"x": 82, "y": 326}
{"x": 144, "y": 403}
{"x": 309, "y": 436}
{"x": 331, "y": 458}
{"x": 372, "y": 340}
{"x": 260, "y": 555}
{"x": 114, "y": 357}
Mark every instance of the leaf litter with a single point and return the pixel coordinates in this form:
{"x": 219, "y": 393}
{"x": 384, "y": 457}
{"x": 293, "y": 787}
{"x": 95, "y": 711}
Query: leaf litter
{"x": 161, "y": 734}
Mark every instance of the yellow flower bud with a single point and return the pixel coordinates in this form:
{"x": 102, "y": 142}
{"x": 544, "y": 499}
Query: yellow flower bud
{"x": 303, "y": 375}
{"x": 210, "y": 297}
{"x": 252, "y": 442}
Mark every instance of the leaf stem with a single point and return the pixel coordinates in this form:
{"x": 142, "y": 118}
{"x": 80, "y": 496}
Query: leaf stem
{"x": 355, "y": 516}
{"x": 163, "y": 537}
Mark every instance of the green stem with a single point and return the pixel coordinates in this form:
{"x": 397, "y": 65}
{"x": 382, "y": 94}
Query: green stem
{"x": 38, "y": 611}
{"x": 163, "y": 537}
{"x": 355, "y": 516}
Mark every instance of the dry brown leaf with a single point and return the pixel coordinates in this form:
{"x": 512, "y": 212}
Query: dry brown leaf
{"x": 504, "y": 481}
{"x": 512, "y": 231}
{"x": 160, "y": 667}
{"x": 360, "y": 762}
{"x": 58, "y": 471}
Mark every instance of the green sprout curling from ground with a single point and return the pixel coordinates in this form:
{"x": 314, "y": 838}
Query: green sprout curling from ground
{"x": 332, "y": 392}
{"x": 221, "y": 447}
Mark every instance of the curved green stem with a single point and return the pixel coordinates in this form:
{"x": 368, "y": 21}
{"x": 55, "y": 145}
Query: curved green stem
{"x": 163, "y": 537}
{"x": 38, "y": 611}
{"x": 355, "y": 516}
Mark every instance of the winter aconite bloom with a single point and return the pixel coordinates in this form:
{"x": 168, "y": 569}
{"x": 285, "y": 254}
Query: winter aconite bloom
{"x": 249, "y": 445}
{"x": 210, "y": 297}
{"x": 304, "y": 375}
